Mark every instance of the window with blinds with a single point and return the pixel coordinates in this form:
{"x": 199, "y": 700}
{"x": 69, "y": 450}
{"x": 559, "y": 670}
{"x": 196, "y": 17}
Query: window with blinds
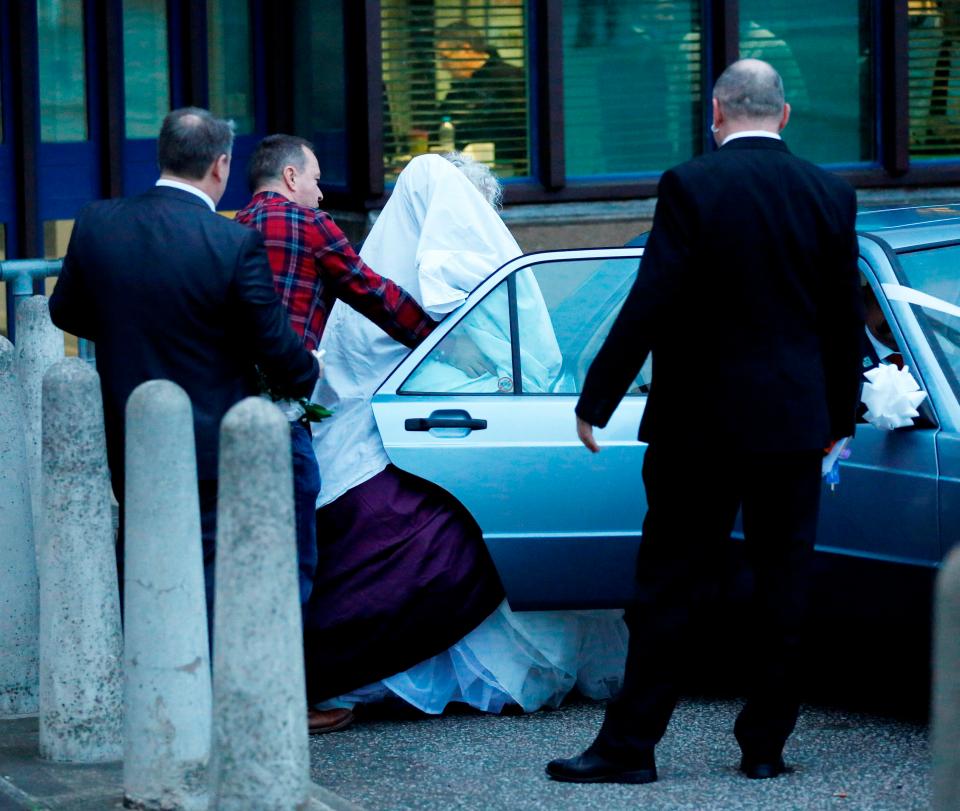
{"x": 934, "y": 78}
{"x": 455, "y": 76}
{"x": 632, "y": 79}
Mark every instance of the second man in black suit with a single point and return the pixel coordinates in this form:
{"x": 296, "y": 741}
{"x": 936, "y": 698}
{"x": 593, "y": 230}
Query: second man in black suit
{"x": 748, "y": 298}
{"x": 168, "y": 289}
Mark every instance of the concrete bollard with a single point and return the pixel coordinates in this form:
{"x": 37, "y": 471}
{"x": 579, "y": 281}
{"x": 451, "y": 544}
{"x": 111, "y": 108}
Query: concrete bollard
{"x": 260, "y": 758}
{"x": 946, "y": 686}
{"x": 19, "y": 591}
{"x": 39, "y": 346}
{"x": 81, "y": 694}
{"x": 167, "y": 701}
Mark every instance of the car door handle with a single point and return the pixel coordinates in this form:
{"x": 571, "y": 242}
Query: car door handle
{"x": 426, "y": 423}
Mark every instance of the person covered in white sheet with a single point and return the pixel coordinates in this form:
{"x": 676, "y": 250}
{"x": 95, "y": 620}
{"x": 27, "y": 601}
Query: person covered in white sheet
{"x": 407, "y": 603}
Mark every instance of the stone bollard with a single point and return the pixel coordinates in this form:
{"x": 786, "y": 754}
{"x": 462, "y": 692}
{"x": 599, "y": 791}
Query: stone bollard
{"x": 166, "y": 652}
{"x": 81, "y": 694}
{"x": 39, "y": 346}
{"x": 260, "y": 758}
{"x": 946, "y": 686}
{"x": 19, "y": 595}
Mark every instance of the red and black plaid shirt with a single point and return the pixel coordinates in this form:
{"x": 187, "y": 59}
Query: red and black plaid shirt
{"x": 314, "y": 264}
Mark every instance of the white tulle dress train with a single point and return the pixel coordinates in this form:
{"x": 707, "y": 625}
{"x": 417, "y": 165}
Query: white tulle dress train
{"x": 531, "y": 659}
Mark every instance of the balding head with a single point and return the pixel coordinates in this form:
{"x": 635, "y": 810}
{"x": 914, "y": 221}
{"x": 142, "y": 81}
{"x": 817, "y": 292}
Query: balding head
{"x": 191, "y": 139}
{"x": 748, "y": 96}
{"x": 194, "y": 148}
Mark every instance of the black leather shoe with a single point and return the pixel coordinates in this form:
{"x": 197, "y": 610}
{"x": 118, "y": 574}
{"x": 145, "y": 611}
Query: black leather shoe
{"x": 762, "y": 769}
{"x": 593, "y": 768}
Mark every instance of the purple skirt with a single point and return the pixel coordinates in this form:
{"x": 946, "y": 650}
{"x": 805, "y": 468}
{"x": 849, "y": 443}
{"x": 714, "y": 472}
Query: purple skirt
{"x": 403, "y": 574}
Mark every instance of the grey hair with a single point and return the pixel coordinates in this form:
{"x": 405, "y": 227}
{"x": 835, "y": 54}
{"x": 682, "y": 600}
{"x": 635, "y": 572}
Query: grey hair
{"x": 750, "y": 89}
{"x": 480, "y": 175}
{"x": 191, "y": 139}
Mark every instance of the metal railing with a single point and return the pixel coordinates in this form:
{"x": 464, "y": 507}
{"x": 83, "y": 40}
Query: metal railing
{"x": 20, "y": 276}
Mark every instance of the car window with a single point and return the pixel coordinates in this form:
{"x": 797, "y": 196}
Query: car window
{"x": 475, "y": 357}
{"x": 581, "y": 301}
{"x": 936, "y": 272}
{"x": 535, "y": 333}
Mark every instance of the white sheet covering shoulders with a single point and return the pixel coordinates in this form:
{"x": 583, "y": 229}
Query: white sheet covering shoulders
{"x": 438, "y": 238}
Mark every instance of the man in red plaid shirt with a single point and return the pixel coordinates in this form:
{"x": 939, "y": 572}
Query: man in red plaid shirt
{"x": 314, "y": 264}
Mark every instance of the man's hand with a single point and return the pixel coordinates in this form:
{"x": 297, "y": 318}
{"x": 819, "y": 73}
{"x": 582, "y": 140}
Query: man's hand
{"x": 585, "y": 432}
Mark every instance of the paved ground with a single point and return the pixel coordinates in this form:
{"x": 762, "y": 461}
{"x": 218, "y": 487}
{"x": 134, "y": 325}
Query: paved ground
{"x": 28, "y": 783}
{"x": 842, "y": 760}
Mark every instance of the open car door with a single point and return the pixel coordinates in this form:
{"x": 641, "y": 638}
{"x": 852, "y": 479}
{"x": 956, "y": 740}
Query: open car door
{"x": 485, "y": 409}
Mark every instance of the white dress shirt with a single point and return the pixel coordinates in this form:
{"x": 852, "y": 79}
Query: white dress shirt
{"x": 176, "y": 184}
{"x": 750, "y": 134}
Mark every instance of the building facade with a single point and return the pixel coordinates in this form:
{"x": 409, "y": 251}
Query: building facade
{"x": 571, "y": 101}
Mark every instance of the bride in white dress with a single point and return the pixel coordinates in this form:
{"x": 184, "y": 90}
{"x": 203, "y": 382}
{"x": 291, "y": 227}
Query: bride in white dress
{"x": 438, "y": 237}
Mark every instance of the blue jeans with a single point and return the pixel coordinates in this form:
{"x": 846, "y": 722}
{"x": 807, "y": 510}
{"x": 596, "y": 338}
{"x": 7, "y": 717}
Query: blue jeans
{"x": 306, "y": 488}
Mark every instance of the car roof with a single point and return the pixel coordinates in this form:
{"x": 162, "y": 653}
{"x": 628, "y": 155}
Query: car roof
{"x": 901, "y": 228}
{"x": 913, "y": 226}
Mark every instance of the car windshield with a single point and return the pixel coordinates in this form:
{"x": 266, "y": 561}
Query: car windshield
{"x": 936, "y": 272}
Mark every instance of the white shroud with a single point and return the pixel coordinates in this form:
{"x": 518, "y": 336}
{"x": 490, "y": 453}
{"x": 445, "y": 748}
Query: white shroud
{"x": 438, "y": 238}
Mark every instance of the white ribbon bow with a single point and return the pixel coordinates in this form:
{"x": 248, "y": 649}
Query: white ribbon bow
{"x": 891, "y": 396}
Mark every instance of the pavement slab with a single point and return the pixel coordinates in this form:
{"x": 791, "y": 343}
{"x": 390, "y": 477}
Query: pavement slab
{"x": 841, "y": 760}
{"x": 28, "y": 783}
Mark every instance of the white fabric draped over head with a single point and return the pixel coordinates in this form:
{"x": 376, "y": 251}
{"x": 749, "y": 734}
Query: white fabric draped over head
{"x": 438, "y": 238}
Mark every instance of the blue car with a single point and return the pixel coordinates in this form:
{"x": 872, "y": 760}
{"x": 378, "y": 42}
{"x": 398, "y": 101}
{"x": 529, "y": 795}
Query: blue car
{"x": 562, "y": 524}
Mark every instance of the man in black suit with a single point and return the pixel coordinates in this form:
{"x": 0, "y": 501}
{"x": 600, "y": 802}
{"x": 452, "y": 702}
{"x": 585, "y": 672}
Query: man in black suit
{"x": 168, "y": 289}
{"x": 748, "y": 297}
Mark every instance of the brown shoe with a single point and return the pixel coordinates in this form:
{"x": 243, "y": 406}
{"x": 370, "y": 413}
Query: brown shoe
{"x": 320, "y": 721}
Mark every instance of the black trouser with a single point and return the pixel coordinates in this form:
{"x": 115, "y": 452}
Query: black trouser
{"x": 693, "y": 495}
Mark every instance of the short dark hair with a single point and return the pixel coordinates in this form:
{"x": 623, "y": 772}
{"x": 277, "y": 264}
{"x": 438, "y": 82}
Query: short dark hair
{"x": 272, "y": 154}
{"x": 463, "y": 32}
{"x": 190, "y": 140}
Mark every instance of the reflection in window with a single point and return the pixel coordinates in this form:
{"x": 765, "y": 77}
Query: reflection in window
{"x": 455, "y": 76}
{"x": 581, "y": 300}
{"x": 230, "y": 71}
{"x": 146, "y": 81}
{"x": 474, "y": 357}
{"x": 63, "y": 94}
{"x": 934, "y": 66}
{"x": 632, "y": 100}
{"x": 319, "y": 93}
{"x": 934, "y": 272}
{"x": 823, "y": 55}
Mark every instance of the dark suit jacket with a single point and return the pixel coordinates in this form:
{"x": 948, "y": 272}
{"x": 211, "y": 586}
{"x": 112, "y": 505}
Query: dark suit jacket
{"x": 169, "y": 290}
{"x": 748, "y": 296}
